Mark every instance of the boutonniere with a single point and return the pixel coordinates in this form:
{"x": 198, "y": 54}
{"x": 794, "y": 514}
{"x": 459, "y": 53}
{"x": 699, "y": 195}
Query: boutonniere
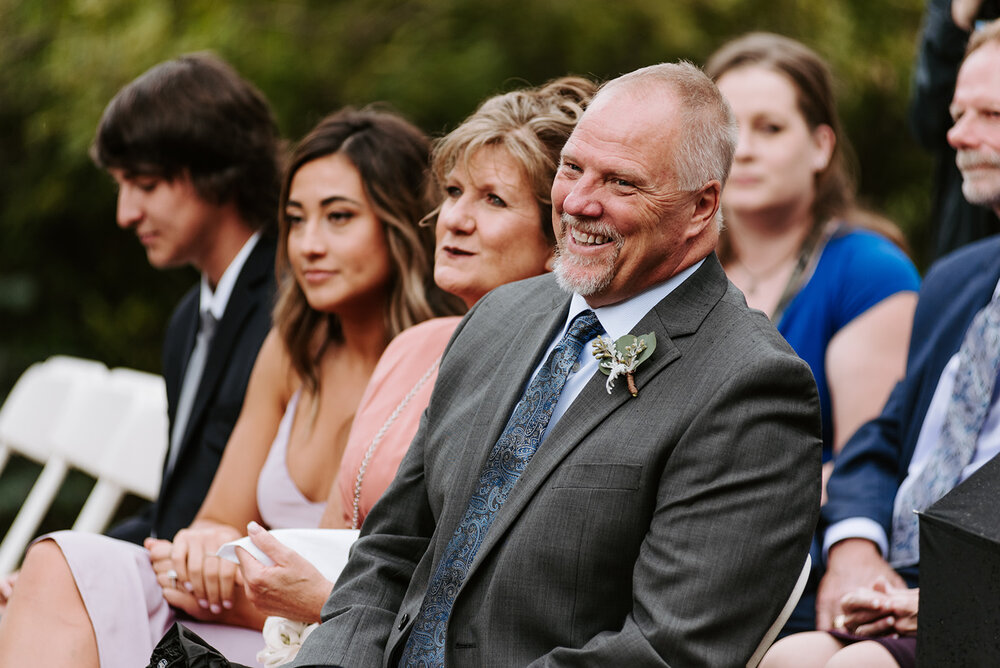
{"x": 623, "y": 357}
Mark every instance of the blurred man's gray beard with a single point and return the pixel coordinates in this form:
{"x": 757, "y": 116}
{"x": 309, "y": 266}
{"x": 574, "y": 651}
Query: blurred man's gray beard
{"x": 985, "y": 194}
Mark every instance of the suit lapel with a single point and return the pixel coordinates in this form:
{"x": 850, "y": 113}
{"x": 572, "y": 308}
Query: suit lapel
{"x": 506, "y": 386}
{"x": 677, "y": 316}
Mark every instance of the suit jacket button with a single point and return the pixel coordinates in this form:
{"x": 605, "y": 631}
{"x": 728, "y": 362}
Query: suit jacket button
{"x": 402, "y": 621}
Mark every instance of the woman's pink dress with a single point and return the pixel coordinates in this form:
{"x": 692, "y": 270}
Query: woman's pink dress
{"x": 123, "y": 598}
{"x": 405, "y": 361}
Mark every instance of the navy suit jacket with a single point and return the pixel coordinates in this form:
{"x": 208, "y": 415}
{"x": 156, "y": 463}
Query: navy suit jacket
{"x": 875, "y": 460}
{"x": 238, "y": 338}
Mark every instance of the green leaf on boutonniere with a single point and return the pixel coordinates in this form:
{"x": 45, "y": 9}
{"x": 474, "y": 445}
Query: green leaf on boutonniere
{"x": 623, "y": 357}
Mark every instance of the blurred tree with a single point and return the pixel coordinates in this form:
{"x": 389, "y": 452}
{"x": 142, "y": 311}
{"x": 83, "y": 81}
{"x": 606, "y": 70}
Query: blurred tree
{"x": 71, "y": 282}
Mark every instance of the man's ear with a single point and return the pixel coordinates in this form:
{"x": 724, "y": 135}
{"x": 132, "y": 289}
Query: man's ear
{"x": 705, "y": 205}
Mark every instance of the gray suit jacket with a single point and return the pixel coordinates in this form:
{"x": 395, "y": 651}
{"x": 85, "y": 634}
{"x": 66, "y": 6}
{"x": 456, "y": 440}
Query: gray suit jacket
{"x": 662, "y": 530}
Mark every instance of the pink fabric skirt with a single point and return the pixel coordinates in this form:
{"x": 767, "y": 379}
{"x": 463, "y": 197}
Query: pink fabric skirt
{"x": 126, "y": 605}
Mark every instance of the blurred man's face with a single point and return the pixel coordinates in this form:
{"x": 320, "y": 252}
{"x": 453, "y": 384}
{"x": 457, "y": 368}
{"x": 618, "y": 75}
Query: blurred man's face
{"x": 976, "y": 132}
{"x": 172, "y": 221}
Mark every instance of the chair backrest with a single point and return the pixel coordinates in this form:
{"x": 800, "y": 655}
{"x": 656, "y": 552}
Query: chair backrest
{"x": 68, "y": 412}
{"x": 41, "y": 404}
{"x": 36, "y": 403}
{"x": 786, "y": 612}
{"x": 90, "y": 422}
{"x": 134, "y": 458}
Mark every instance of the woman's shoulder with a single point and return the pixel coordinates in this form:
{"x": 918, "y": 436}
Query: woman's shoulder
{"x": 416, "y": 346}
{"x": 859, "y": 269}
{"x": 274, "y": 366}
{"x": 870, "y": 257}
{"x": 426, "y": 332}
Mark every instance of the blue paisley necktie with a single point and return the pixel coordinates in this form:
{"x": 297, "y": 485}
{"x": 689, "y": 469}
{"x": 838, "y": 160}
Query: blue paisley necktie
{"x": 978, "y": 363}
{"x": 507, "y": 460}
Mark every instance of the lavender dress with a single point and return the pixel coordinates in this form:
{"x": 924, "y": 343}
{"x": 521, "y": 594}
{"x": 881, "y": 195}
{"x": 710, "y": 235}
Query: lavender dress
{"x": 123, "y": 598}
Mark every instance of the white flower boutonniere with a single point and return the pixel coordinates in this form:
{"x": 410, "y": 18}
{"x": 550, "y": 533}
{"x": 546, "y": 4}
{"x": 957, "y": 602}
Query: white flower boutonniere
{"x": 623, "y": 357}
{"x": 282, "y": 640}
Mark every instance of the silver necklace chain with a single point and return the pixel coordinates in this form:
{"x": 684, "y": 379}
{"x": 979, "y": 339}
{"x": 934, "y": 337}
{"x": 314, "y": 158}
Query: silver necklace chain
{"x": 378, "y": 439}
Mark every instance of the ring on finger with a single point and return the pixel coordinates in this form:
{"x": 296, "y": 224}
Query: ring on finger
{"x": 838, "y": 622}
{"x": 172, "y": 576}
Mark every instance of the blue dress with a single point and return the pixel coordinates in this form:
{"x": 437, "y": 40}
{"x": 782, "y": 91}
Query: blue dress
{"x": 856, "y": 270}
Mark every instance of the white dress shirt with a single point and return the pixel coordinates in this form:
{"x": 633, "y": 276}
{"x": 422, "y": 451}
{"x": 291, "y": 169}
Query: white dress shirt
{"x": 216, "y": 300}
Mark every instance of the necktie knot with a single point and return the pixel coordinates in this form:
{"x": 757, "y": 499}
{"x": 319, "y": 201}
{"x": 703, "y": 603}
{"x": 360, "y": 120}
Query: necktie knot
{"x": 584, "y": 327}
{"x": 206, "y": 326}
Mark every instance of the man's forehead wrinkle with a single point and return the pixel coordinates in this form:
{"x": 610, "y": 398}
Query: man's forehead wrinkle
{"x": 610, "y": 152}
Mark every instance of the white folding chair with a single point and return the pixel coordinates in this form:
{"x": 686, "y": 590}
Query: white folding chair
{"x": 35, "y": 404}
{"x": 31, "y": 417}
{"x": 132, "y": 460}
{"x": 786, "y": 612}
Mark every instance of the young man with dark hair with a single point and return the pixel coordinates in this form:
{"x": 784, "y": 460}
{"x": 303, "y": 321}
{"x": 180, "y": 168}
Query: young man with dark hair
{"x": 193, "y": 148}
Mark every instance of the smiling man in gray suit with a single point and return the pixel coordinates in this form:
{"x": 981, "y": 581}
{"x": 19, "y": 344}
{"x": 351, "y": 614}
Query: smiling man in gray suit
{"x": 543, "y": 518}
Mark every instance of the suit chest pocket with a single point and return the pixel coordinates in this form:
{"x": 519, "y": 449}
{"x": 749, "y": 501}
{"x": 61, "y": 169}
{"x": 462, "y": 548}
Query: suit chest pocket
{"x": 598, "y": 476}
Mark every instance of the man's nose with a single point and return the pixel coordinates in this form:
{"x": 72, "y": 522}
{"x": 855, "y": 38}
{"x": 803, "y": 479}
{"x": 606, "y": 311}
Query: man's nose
{"x": 130, "y": 210}
{"x": 964, "y": 134}
{"x": 582, "y": 200}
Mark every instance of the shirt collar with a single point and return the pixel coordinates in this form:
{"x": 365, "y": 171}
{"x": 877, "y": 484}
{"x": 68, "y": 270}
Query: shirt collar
{"x": 215, "y": 302}
{"x": 619, "y": 319}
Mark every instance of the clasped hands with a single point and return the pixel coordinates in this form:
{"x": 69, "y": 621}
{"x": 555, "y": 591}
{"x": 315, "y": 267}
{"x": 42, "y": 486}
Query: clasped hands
{"x": 192, "y": 577}
{"x": 879, "y": 610}
{"x": 213, "y": 589}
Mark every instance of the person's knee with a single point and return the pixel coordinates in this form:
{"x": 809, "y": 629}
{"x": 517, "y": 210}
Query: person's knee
{"x": 801, "y": 650}
{"x": 44, "y": 561}
{"x": 867, "y": 653}
{"x": 43, "y": 554}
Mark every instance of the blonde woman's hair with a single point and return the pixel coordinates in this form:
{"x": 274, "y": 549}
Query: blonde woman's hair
{"x": 531, "y": 124}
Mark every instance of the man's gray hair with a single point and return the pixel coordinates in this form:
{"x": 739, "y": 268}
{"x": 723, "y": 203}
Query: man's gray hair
{"x": 708, "y": 133}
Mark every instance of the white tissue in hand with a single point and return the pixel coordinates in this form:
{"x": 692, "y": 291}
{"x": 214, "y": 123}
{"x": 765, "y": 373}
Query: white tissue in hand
{"x": 326, "y": 549}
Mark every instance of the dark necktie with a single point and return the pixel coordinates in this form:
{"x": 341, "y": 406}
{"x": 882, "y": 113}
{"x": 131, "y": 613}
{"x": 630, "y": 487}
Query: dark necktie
{"x": 507, "y": 460}
{"x": 189, "y": 387}
{"x": 978, "y": 363}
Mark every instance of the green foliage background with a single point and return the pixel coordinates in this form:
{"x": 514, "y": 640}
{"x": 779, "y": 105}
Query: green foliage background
{"x": 71, "y": 282}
